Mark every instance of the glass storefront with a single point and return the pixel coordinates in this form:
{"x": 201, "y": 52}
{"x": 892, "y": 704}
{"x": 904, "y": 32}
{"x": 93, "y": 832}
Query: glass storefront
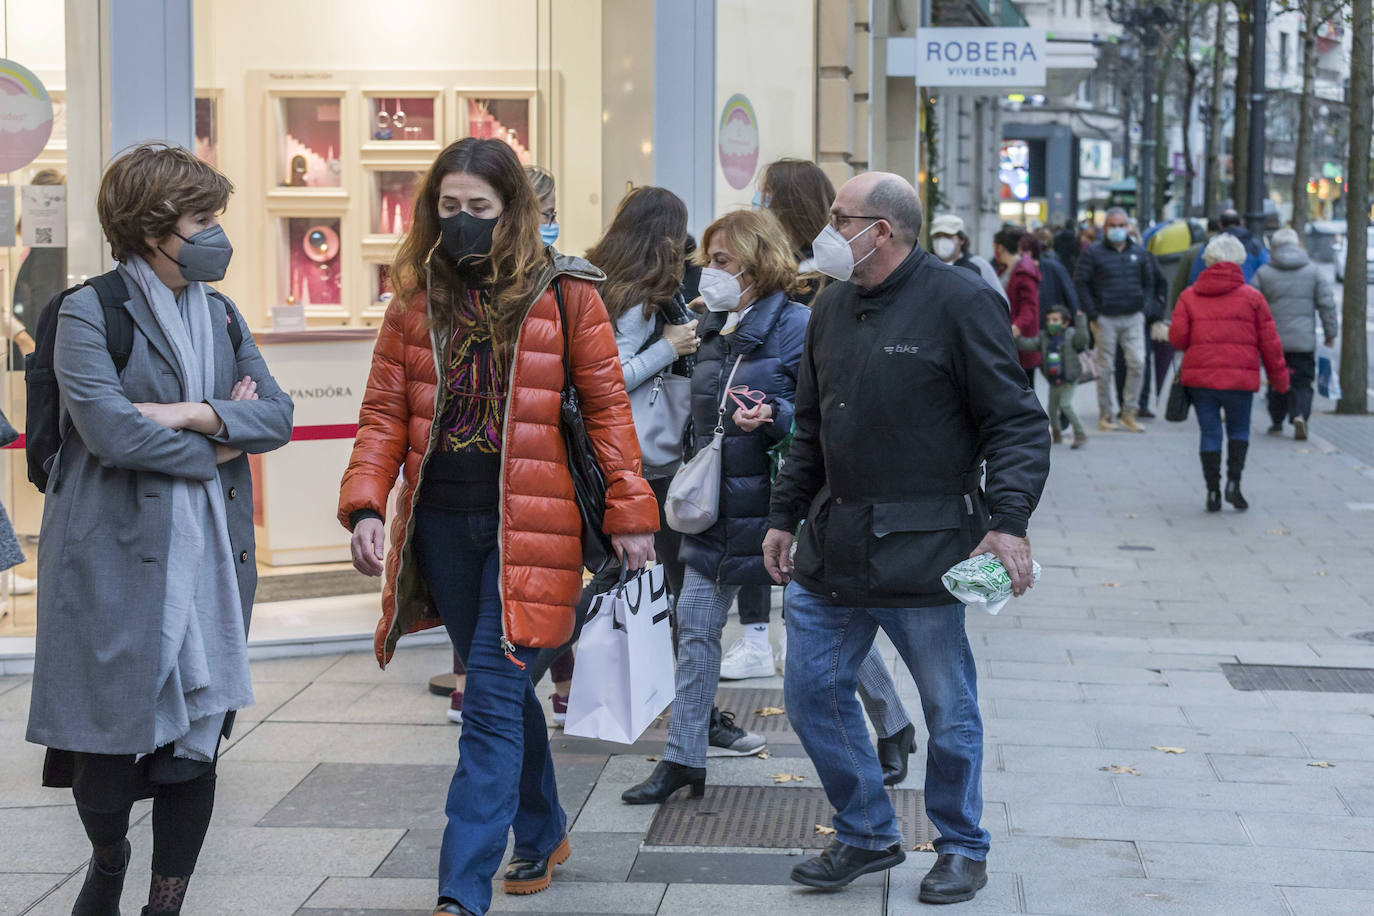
{"x": 326, "y": 117}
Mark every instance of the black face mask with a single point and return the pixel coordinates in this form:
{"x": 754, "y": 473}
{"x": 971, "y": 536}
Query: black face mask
{"x": 467, "y": 239}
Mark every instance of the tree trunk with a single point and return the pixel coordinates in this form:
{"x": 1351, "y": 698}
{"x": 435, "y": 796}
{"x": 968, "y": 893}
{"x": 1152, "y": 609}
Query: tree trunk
{"x": 1354, "y": 349}
{"x": 1240, "y": 138}
{"x": 1211, "y": 182}
{"x": 1161, "y": 165}
{"x": 1311, "y": 20}
{"x": 1189, "y": 89}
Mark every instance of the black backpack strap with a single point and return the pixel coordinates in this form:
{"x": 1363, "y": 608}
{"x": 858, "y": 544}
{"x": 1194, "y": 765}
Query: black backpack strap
{"x": 119, "y": 325}
{"x": 235, "y": 329}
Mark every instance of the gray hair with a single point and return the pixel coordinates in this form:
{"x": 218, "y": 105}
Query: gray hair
{"x": 1223, "y": 247}
{"x": 1117, "y": 211}
{"x": 895, "y": 200}
{"x": 1284, "y": 237}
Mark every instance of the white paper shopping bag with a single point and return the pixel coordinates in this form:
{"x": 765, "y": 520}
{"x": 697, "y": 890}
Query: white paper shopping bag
{"x": 624, "y": 674}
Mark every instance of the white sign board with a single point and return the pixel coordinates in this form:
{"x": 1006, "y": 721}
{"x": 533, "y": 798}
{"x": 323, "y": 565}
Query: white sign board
{"x": 989, "y": 58}
{"x": 1094, "y": 158}
{"x": 45, "y": 215}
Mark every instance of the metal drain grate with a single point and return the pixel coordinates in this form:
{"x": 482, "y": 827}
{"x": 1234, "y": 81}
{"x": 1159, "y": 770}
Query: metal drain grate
{"x": 745, "y": 702}
{"x": 1299, "y": 677}
{"x": 769, "y": 817}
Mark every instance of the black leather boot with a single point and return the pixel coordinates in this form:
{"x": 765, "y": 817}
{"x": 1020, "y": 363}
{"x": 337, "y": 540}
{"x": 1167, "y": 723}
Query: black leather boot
{"x": 667, "y": 778}
{"x": 449, "y": 908}
{"x": 893, "y": 753}
{"x": 1236, "y": 450}
{"x": 953, "y": 879}
{"x": 102, "y": 889}
{"x": 841, "y": 863}
{"x": 1211, "y": 475}
{"x": 530, "y": 876}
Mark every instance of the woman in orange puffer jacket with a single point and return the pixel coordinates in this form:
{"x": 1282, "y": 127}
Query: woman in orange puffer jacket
{"x": 464, "y": 395}
{"x": 1224, "y": 329}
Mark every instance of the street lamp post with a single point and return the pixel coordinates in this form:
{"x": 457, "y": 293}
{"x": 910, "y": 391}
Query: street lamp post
{"x": 1254, "y": 192}
{"x": 1145, "y": 22}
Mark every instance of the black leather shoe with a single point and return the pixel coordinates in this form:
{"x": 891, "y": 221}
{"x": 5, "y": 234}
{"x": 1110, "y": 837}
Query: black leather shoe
{"x": 102, "y": 889}
{"x": 953, "y": 879}
{"x": 667, "y": 778}
{"x": 1234, "y": 497}
{"x": 893, "y": 753}
{"x": 841, "y": 863}
{"x": 1145, "y": 414}
{"x": 1213, "y": 500}
{"x": 450, "y": 908}
{"x": 530, "y": 876}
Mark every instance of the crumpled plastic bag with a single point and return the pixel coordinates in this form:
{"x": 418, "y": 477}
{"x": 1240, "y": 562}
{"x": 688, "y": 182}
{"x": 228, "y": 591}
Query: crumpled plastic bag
{"x": 983, "y": 582}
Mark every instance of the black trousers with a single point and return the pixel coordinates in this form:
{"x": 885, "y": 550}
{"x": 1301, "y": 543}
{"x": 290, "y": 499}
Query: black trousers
{"x": 1302, "y": 372}
{"x": 755, "y": 604}
{"x": 105, "y": 787}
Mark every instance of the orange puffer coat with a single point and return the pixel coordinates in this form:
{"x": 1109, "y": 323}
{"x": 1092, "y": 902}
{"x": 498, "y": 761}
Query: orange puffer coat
{"x": 540, "y": 537}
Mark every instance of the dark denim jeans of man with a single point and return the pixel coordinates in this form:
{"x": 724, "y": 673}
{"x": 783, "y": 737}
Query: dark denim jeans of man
{"x": 1211, "y": 404}
{"x": 826, "y": 642}
{"x": 504, "y": 732}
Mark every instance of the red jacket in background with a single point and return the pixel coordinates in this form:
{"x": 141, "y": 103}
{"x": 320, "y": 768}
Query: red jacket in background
{"x": 1023, "y": 294}
{"x": 1225, "y": 329}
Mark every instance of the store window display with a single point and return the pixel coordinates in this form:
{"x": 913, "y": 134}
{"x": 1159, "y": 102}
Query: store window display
{"x": 311, "y": 261}
{"x": 395, "y": 199}
{"x": 310, "y": 139}
{"x": 404, "y": 119}
{"x": 507, "y": 120}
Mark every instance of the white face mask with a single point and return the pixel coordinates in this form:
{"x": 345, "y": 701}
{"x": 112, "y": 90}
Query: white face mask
{"x": 834, "y": 257}
{"x": 943, "y": 248}
{"x": 720, "y": 290}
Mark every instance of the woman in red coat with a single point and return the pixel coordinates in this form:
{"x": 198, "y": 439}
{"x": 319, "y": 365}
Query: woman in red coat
{"x": 1021, "y": 280}
{"x": 1224, "y": 329}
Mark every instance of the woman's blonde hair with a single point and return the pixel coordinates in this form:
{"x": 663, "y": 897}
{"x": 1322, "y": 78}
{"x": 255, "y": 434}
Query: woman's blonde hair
{"x": 756, "y": 240}
{"x": 517, "y": 251}
{"x": 1223, "y": 247}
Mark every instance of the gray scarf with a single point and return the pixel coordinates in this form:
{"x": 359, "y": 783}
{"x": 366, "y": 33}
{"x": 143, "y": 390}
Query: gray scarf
{"x": 204, "y": 650}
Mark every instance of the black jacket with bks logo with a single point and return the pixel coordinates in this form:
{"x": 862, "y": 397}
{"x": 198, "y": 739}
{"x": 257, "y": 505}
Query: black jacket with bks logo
{"x": 903, "y": 391}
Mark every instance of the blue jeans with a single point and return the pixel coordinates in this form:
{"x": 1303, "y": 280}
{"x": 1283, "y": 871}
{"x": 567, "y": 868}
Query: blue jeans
{"x": 503, "y": 724}
{"x": 826, "y": 642}
{"x": 1211, "y": 403}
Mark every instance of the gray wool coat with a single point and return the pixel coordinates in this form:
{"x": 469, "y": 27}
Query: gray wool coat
{"x": 103, "y": 547}
{"x": 1297, "y": 293}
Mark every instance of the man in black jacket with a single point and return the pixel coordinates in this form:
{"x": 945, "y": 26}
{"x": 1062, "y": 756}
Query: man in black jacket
{"x": 909, "y": 381}
{"x": 1116, "y": 285}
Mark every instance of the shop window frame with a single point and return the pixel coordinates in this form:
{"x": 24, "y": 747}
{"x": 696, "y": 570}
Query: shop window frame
{"x": 389, "y": 148}
{"x": 529, "y": 96}
{"x": 273, "y": 128}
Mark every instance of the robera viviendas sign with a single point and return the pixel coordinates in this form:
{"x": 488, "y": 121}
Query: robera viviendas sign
{"x": 993, "y": 58}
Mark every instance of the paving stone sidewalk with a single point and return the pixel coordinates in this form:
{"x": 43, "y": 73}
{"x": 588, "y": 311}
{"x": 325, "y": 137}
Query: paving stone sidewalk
{"x": 331, "y": 792}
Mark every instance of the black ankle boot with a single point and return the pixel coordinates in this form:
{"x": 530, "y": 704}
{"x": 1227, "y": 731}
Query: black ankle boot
{"x": 1211, "y": 475}
{"x": 667, "y": 778}
{"x": 841, "y": 863}
{"x": 893, "y": 754}
{"x": 1236, "y": 450}
{"x": 102, "y": 889}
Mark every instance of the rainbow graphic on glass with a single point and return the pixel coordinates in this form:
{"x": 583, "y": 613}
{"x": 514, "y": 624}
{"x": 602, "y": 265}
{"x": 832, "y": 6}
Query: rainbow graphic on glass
{"x": 25, "y": 116}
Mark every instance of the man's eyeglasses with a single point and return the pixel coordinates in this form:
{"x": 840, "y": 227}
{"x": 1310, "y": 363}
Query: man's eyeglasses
{"x": 840, "y": 220}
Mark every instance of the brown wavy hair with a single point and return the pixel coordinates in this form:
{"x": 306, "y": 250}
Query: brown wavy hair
{"x": 642, "y": 251}
{"x": 800, "y": 195}
{"x": 757, "y": 241}
{"x": 148, "y": 189}
{"x": 517, "y": 251}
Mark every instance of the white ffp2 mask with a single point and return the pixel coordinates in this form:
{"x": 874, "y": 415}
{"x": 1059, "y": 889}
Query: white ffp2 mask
{"x": 834, "y": 257}
{"x": 720, "y": 290}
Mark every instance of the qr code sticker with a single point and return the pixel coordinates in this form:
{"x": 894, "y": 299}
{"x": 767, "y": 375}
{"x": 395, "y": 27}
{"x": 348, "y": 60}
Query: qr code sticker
{"x": 42, "y": 235}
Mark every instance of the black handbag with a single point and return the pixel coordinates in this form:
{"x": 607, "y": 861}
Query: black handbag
{"x": 1176, "y": 408}
{"x": 589, "y": 484}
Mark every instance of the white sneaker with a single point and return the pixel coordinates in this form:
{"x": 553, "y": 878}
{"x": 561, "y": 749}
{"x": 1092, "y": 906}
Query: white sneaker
{"x": 21, "y": 585}
{"x": 780, "y": 656}
{"x": 746, "y": 660}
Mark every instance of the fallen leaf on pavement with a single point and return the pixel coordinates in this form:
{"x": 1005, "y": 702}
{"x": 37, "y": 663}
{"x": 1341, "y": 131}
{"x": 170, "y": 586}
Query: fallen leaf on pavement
{"x": 764, "y": 754}
{"x": 1278, "y": 531}
{"x": 1132, "y": 515}
{"x": 652, "y": 759}
{"x": 1118, "y": 770}
{"x": 786, "y": 777}
{"x": 1111, "y": 585}
{"x": 767, "y": 711}
{"x": 927, "y": 846}
{"x": 1304, "y": 451}
{"x": 824, "y": 831}
{"x": 1169, "y": 750}
{"x": 1322, "y": 763}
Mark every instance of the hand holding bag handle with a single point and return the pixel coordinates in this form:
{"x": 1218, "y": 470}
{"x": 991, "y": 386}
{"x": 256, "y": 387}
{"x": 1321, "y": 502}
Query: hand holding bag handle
{"x": 693, "y": 501}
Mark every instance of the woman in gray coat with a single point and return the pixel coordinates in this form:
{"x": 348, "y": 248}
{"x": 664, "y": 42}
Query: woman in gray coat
{"x": 1297, "y": 293}
{"x": 145, "y": 558}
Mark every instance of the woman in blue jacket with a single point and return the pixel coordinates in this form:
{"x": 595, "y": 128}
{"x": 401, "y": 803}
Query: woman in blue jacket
{"x": 745, "y": 381}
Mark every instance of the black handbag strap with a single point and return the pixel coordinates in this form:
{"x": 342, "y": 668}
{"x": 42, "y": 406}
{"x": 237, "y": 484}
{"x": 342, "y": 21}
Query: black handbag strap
{"x": 563, "y": 326}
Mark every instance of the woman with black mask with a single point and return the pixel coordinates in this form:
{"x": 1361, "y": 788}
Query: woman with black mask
{"x": 463, "y": 401}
